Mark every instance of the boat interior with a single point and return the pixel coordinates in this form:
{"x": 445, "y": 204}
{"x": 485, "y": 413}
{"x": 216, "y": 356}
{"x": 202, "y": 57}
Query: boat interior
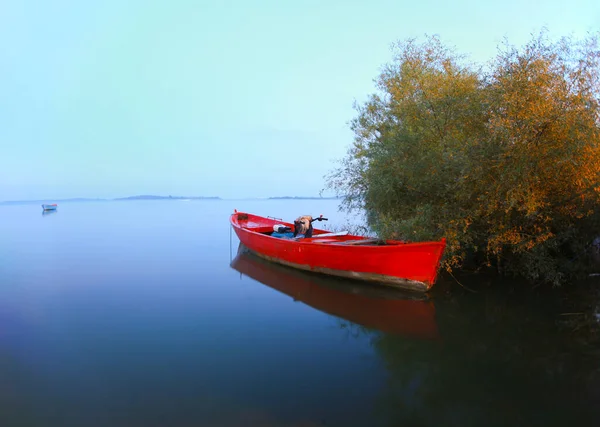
{"x": 323, "y": 236}
{"x": 319, "y": 236}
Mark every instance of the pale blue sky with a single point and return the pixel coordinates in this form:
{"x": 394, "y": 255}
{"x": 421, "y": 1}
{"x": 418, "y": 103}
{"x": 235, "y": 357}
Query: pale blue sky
{"x": 115, "y": 98}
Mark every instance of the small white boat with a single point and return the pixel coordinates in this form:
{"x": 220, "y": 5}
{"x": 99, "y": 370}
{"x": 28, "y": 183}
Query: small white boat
{"x": 51, "y": 207}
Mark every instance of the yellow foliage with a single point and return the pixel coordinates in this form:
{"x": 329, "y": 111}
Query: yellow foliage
{"x": 505, "y": 164}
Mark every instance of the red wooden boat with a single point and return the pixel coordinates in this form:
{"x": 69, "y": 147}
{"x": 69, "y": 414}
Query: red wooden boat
{"x": 406, "y": 265}
{"x": 387, "y": 310}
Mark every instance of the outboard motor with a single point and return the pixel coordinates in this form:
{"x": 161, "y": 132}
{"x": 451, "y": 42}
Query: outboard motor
{"x": 303, "y": 225}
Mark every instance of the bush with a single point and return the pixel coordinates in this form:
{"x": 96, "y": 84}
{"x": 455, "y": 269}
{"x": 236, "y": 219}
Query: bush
{"x": 502, "y": 160}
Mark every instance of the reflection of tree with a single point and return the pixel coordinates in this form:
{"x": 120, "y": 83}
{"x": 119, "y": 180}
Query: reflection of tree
{"x": 503, "y": 360}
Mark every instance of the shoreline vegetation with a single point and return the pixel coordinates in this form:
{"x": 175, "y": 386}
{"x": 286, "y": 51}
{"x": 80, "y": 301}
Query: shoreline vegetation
{"x": 501, "y": 158}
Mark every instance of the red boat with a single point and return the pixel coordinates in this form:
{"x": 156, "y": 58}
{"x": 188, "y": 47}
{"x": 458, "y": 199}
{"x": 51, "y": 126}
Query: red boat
{"x": 406, "y": 265}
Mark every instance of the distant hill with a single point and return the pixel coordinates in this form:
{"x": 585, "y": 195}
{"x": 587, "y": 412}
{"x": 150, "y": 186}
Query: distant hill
{"x": 153, "y": 197}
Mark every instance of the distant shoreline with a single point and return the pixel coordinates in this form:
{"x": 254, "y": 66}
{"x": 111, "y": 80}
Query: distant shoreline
{"x": 152, "y": 197}
{"x": 155, "y": 197}
{"x": 303, "y": 198}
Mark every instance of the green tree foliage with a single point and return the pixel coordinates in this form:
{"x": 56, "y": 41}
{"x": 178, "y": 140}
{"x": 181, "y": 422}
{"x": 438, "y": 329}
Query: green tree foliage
{"x": 502, "y": 160}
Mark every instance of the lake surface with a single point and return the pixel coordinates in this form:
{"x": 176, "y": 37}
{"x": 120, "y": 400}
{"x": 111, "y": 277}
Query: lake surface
{"x": 143, "y": 313}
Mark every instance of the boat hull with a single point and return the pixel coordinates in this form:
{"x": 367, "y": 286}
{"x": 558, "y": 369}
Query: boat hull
{"x": 49, "y": 207}
{"x": 409, "y": 266}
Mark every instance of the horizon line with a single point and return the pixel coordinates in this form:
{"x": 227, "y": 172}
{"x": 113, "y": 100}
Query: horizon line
{"x": 150, "y": 197}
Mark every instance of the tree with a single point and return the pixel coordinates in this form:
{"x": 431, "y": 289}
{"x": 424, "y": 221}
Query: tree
{"x": 504, "y": 162}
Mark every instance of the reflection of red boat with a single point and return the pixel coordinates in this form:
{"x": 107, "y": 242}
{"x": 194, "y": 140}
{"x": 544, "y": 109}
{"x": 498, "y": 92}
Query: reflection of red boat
{"x": 411, "y": 266}
{"x": 372, "y": 307}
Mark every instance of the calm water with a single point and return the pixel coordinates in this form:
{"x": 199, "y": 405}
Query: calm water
{"x": 144, "y": 314}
